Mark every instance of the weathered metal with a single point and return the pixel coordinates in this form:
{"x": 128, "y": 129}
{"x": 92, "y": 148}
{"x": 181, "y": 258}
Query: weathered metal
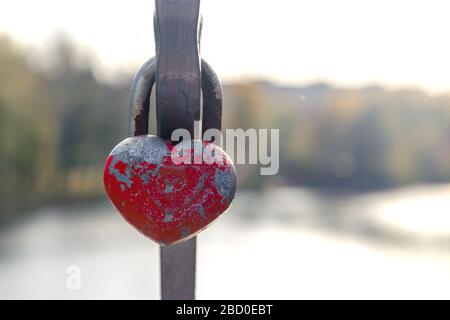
{"x": 177, "y": 38}
{"x": 178, "y": 74}
{"x": 170, "y": 201}
{"x": 142, "y": 87}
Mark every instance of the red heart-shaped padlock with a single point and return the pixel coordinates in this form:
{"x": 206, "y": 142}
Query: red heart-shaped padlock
{"x": 169, "y": 193}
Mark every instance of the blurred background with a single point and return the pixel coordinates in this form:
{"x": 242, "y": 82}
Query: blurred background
{"x": 360, "y": 91}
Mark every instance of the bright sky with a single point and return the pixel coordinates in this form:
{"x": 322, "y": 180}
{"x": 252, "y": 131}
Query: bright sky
{"x": 346, "y": 42}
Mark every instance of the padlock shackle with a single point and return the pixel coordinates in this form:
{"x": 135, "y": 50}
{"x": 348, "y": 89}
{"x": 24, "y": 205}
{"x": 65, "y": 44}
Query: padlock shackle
{"x": 141, "y": 89}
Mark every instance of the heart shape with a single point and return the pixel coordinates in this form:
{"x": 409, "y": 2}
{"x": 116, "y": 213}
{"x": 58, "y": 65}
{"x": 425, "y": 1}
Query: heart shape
{"x": 169, "y": 193}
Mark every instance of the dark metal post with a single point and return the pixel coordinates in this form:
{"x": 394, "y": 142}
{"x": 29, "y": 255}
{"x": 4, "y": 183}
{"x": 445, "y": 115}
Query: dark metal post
{"x": 178, "y": 87}
{"x": 178, "y": 271}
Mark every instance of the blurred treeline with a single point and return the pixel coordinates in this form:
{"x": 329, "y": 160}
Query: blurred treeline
{"x": 350, "y": 139}
{"x": 56, "y": 127}
{"x": 58, "y": 124}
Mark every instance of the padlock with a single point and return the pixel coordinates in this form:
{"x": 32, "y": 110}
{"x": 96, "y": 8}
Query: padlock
{"x": 169, "y": 192}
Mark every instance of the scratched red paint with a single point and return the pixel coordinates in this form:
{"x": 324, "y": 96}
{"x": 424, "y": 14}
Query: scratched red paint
{"x": 166, "y": 201}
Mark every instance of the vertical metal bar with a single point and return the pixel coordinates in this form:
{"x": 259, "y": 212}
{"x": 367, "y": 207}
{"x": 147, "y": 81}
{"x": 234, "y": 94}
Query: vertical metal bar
{"x": 178, "y": 87}
{"x": 178, "y": 271}
{"x": 178, "y": 74}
